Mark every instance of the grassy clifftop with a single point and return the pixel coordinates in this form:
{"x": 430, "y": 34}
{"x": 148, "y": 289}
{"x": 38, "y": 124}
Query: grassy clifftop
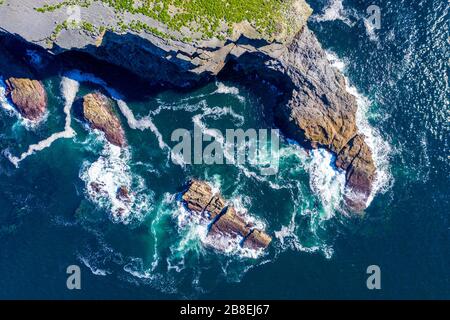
{"x": 204, "y": 18}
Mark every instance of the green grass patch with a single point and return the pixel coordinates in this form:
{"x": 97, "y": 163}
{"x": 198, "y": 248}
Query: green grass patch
{"x": 212, "y": 18}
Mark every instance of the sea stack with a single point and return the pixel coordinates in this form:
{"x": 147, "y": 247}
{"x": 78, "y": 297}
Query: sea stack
{"x": 225, "y": 221}
{"x": 28, "y": 96}
{"x": 98, "y": 112}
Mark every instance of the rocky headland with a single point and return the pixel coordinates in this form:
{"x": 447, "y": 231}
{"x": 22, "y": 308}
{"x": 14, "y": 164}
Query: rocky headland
{"x": 314, "y": 107}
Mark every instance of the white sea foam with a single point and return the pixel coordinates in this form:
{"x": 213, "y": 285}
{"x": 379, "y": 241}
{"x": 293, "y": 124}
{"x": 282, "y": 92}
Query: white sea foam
{"x": 219, "y": 138}
{"x": 194, "y": 229}
{"x": 219, "y": 112}
{"x": 12, "y": 111}
{"x": 288, "y": 238}
{"x": 69, "y": 89}
{"x": 178, "y": 107}
{"x": 105, "y": 176}
{"x": 371, "y": 30}
{"x": 136, "y": 268}
{"x": 96, "y": 271}
{"x": 4, "y": 102}
{"x": 137, "y": 124}
{"x": 381, "y": 149}
{"x": 35, "y": 58}
{"x": 335, "y": 11}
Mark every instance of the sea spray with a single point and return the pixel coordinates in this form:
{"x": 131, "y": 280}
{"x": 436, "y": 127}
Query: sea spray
{"x": 194, "y": 231}
{"x": 6, "y": 105}
{"x": 69, "y": 89}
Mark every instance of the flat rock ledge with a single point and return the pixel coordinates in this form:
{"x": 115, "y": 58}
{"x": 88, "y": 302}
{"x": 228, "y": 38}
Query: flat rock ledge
{"x": 28, "y": 96}
{"x": 98, "y": 112}
{"x": 200, "y": 199}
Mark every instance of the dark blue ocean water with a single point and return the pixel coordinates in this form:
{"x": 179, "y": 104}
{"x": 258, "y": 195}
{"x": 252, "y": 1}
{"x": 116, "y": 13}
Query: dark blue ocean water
{"x": 49, "y": 221}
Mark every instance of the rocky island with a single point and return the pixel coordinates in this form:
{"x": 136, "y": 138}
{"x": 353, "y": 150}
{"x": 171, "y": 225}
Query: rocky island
{"x": 224, "y": 221}
{"x": 28, "y": 96}
{"x": 188, "y": 45}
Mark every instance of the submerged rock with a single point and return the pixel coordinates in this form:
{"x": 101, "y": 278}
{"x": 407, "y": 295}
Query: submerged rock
{"x": 28, "y": 96}
{"x": 97, "y": 110}
{"x": 316, "y": 109}
{"x": 256, "y": 238}
{"x": 200, "y": 199}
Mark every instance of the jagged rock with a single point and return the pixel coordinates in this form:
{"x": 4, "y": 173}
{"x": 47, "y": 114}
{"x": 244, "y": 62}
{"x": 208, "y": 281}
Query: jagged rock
{"x": 317, "y": 110}
{"x": 28, "y": 96}
{"x": 229, "y": 222}
{"x": 97, "y": 110}
{"x": 200, "y": 198}
{"x": 123, "y": 194}
{"x": 255, "y": 239}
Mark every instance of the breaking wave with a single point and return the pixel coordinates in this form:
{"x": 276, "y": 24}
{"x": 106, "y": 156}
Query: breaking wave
{"x": 194, "y": 227}
{"x": 6, "y": 105}
{"x": 133, "y": 123}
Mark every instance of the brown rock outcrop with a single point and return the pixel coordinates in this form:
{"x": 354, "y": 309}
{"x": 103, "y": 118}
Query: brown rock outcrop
{"x": 28, "y": 96}
{"x": 123, "y": 194}
{"x": 199, "y": 198}
{"x": 98, "y": 112}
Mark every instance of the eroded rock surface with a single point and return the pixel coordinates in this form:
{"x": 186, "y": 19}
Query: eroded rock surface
{"x": 98, "y": 112}
{"x": 123, "y": 194}
{"x": 200, "y": 199}
{"x": 28, "y": 96}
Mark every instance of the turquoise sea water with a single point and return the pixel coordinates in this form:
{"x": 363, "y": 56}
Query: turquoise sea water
{"x": 49, "y": 220}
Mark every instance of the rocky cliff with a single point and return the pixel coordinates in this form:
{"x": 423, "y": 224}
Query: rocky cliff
{"x": 314, "y": 108}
